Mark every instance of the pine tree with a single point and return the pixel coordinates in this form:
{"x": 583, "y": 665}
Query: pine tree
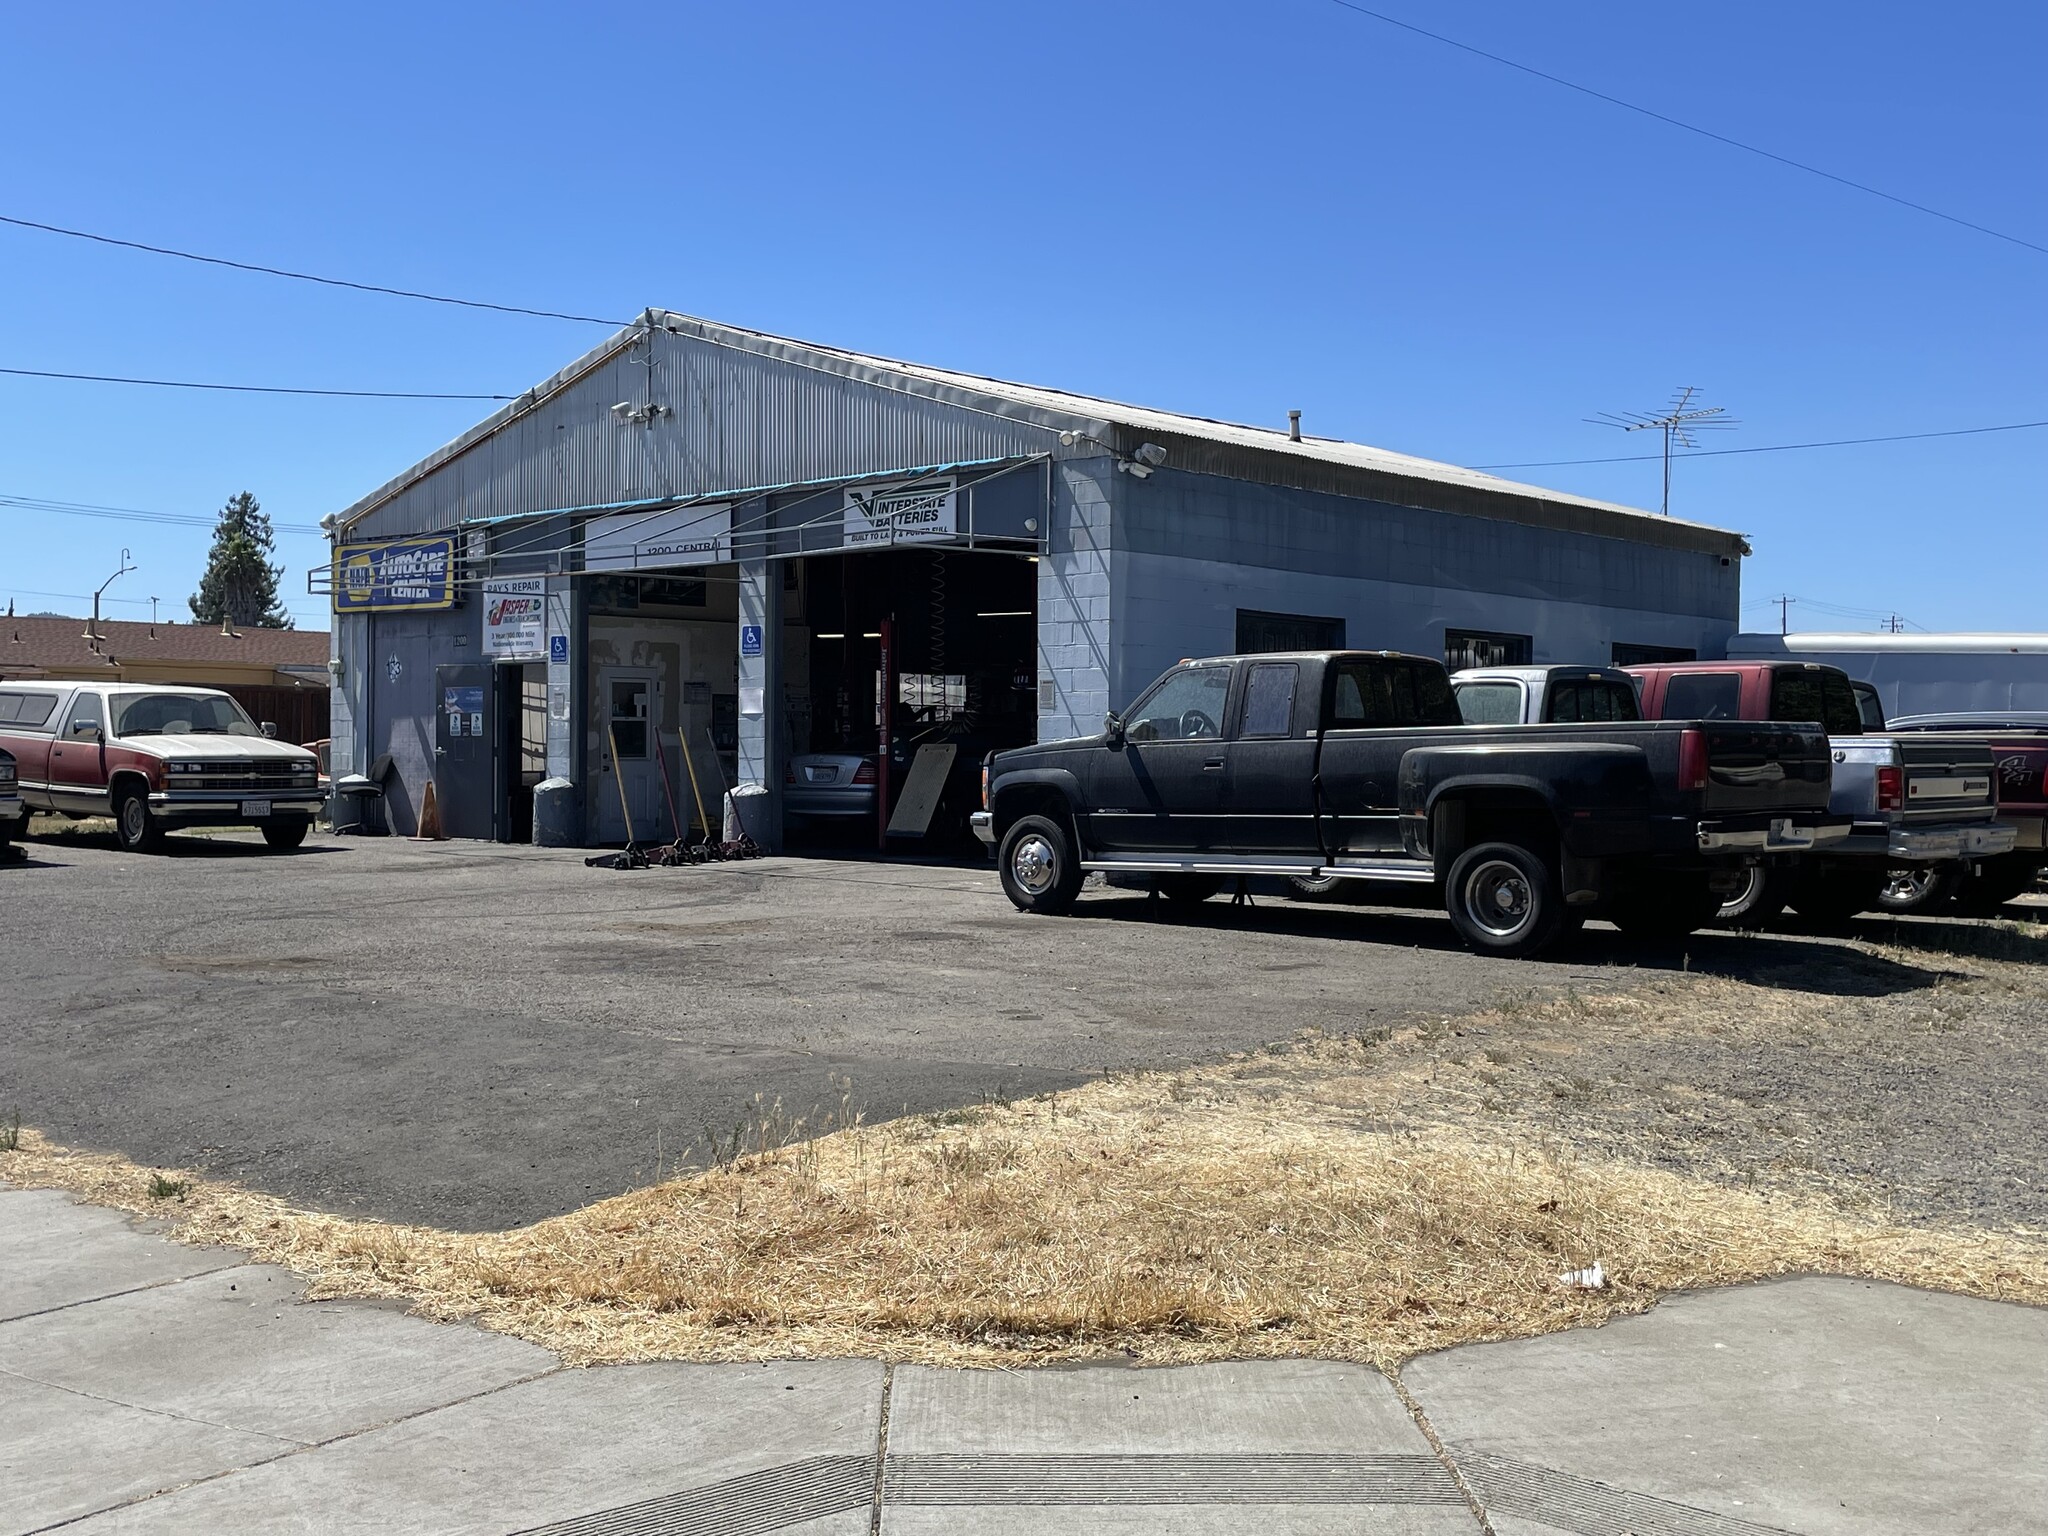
{"x": 240, "y": 584}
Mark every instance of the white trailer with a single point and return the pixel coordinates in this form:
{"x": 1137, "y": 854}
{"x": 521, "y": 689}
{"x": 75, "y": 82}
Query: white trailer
{"x": 1919, "y": 674}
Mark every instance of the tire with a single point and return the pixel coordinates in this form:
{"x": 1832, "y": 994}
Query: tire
{"x": 1314, "y": 887}
{"x": 1831, "y": 897}
{"x": 1919, "y": 887}
{"x": 1758, "y": 903}
{"x": 1039, "y": 867}
{"x": 1982, "y": 891}
{"x": 135, "y": 825}
{"x": 1668, "y": 910}
{"x": 1505, "y": 899}
{"x": 286, "y": 832}
{"x": 1189, "y": 890}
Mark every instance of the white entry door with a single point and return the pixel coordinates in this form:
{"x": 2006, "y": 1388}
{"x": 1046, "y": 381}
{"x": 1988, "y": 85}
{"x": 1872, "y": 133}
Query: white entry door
{"x": 628, "y": 712}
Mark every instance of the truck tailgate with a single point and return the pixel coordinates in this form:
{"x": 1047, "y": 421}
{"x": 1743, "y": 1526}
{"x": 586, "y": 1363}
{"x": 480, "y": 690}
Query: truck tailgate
{"x": 1948, "y": 778}
{"x": 1759, "y": 766}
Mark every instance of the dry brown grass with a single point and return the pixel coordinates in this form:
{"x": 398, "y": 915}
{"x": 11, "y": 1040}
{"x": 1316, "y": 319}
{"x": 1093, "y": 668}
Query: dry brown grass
{"x": 1281, "y": 1203}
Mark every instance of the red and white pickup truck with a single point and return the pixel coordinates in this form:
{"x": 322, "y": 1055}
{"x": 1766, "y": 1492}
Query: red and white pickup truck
{"x": 155, "y": 759}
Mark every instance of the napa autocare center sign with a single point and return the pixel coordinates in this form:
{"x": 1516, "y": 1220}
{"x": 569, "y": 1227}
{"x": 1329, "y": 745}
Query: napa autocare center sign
{"x": 923, "y": 512}
{"x": 653, "y": 541}
{"x": 516, "y": 618}
{"x": 395, "y": 575}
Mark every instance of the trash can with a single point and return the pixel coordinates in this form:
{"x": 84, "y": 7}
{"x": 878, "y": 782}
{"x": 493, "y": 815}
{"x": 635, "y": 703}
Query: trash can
{"x": 554, "y": 815}
{"x": 746, "y": 814}
{"x": 358, "y": 806}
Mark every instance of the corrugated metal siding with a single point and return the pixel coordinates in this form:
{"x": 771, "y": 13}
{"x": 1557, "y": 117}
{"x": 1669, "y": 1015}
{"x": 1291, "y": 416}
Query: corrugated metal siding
{"x": 739, "y": 420}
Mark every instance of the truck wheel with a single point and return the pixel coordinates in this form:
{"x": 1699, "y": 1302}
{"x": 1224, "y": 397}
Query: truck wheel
{"x": 1668, "y": 910}
{"x": 1038, "y": 866}
{"x": 1918, "y": 887}
{"x": 1830, "y": 897}
{"x": 1314, "y": 887}
{"x": 135, "y": 826}
{"x": 1993, "y": 883}
{"x": 1505, "y": 899}
{"x": 1760, "y": 900}
{"x": 1189, "y": 890}
{"x": 283, "y": 832}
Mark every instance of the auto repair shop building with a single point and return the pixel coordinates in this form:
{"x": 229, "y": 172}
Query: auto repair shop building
{"x": 701, "y": 531}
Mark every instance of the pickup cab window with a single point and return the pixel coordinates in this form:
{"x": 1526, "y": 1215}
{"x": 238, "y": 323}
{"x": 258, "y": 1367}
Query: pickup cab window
{"x": 1869, "y": 706}
{"x": 180, "y": 714}
{"x": 1389, "y": 691}
{"x": 1816, "y": 695}
{"x": 1703, "y": 696}
{"x": 86, "y": 716}
{"x": 1269, "y": 699}
{"x": 1573, "y": 701}
{"x": 1490, "y": 703}
{"x": 1186, "y": 705}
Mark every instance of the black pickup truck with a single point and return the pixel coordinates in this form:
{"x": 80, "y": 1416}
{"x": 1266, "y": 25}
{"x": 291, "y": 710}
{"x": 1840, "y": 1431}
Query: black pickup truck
{"x": 1357, "y": 765}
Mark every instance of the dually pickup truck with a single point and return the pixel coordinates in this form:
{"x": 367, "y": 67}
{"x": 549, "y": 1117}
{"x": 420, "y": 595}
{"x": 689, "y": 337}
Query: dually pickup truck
{"x": 1916, "y": 802}
{"x": 1357, "y": 765}
{"x": 155, "y": 758}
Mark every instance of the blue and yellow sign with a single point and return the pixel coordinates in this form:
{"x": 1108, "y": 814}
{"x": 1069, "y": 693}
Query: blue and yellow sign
{"x": 402, "y": 573}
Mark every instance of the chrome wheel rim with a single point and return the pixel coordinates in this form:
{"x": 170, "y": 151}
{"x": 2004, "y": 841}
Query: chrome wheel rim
{"x": 1034, "y": 865}
{"x": 1499, "y": 899}
{"x": 1908, "y": 885}
{"x": 134, "y": 819}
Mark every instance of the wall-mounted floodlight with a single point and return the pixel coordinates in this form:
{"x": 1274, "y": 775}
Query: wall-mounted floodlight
{"x": 639, "y": 415}
{"x": 1141, "y": 464}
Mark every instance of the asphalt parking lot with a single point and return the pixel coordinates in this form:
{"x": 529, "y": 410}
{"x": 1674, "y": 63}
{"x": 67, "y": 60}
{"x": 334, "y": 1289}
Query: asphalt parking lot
{"x": 479, "y": 1036}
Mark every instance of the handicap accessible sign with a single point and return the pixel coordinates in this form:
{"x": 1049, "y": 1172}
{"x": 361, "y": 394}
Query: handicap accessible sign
{"x": 750, "y": 639}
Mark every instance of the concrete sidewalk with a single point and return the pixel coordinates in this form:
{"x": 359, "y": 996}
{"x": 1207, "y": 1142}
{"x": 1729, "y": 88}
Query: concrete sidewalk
{"x": 148, "y": 1386}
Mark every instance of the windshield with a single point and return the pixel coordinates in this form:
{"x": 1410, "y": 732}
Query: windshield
{"x": 180, "y": 714}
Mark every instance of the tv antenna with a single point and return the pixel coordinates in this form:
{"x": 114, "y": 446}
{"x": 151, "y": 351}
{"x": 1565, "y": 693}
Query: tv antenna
{"x": 1678, "y": 422}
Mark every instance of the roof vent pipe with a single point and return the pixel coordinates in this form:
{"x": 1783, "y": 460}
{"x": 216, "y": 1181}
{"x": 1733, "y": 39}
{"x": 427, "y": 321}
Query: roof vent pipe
{"x": 1294, "y": 426}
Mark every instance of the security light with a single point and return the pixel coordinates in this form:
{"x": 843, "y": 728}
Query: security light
{"x": 1150, "y": 455}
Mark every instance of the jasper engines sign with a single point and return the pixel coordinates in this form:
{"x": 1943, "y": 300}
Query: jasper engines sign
{"x": 515, "y": 618}
{"x": 923, "y": 512}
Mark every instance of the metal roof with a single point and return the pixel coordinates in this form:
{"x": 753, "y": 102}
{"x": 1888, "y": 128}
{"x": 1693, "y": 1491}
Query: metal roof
{"x": 1197, "y": 442}
{"x": 1955, "y": 641}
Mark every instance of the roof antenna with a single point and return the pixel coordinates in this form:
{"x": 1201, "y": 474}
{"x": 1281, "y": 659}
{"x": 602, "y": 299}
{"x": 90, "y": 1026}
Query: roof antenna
{"x": 1294, "y": 426}
{"x": 1681, "y": 418}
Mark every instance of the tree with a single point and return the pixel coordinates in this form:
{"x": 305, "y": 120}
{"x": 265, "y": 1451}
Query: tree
{"x": 240, "y": 584}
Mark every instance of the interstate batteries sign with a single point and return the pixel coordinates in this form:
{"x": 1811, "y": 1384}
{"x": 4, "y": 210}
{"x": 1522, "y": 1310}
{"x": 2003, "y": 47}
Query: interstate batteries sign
{"x": 400, "y": 574}
{"x": 921, "y": 512}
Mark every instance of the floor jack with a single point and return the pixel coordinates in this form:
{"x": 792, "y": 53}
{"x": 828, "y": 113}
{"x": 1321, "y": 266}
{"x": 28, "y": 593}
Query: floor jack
{"x": 631, "y": 857}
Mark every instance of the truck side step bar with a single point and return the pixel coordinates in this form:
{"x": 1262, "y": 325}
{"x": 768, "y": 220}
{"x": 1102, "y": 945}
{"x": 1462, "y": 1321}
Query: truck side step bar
{"x": 1407, "y": 871}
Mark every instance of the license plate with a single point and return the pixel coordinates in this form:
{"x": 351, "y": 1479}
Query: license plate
{"x": 821, "y": 775}
{"x": 255, "y": 807}
{"x": 1784, "y": 834}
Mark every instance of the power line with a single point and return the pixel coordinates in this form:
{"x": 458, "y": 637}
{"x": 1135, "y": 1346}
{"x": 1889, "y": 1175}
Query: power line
{"x": 1708, "y": 453}
{"x": 1705, "y": 133}
{"x": 247, "y": 389}
{"x": 131, "y": 514}
{"x": 303, "y": 277}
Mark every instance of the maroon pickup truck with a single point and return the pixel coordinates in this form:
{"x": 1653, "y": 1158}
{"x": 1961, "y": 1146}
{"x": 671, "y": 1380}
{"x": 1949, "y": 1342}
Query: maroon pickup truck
{"x": 155, "y": 758}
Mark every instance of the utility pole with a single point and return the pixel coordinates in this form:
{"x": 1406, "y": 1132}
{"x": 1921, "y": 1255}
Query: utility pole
{"x": 1678, "y": 421}
{"x": 1784, "y": 603}
{"x": 1895, "y": 625}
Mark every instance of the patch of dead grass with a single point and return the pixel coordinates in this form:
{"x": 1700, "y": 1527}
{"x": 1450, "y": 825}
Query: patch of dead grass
{"x": 1258, "y": 1207}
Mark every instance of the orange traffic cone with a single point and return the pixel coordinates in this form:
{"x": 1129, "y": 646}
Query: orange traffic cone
{"x": 430, "y": 819}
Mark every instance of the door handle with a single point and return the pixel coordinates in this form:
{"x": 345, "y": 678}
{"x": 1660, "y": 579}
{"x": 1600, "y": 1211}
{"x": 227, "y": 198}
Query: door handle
{"x": 1212, "y": 762}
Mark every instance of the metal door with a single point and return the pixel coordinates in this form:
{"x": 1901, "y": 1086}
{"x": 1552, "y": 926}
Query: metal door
{"x": 1162, "y": 790}
{"x": 627, "y": 720}
{"x": 462, "y": 750}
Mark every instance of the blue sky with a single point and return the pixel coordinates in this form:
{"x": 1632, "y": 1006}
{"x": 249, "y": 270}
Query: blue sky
{"x": 1227, "y": 209}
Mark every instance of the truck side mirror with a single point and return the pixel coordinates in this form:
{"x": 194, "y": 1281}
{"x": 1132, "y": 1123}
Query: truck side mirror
{"x": 88, "y": 728}
{"x": 270, "y": 729}
{"x": 1113, "y": 729}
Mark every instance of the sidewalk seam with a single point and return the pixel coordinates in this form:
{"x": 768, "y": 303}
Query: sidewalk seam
{"x": 133, "y": 1290}
{"x": 162, "y": 1413}
{"x": 1436, "y": 1444}
{"x": 882, "y": 1447}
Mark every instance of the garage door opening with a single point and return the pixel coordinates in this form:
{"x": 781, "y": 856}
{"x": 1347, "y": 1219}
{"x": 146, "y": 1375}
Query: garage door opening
{"x": 958, "y": 678}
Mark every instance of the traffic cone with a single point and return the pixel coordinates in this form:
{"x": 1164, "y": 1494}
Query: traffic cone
{"x": 430, "y": 819}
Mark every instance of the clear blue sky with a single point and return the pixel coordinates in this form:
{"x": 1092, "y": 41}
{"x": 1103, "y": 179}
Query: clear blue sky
{"x": 1226, "y": 209}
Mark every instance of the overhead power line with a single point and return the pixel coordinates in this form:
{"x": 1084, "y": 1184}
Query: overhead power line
{"x": 1705, "y": 133}
{"x": 130, "y": 514}
{"x": 1708, "y": 453}
{"x": 303, "y": 277}
{"x": 248, "y": 389}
